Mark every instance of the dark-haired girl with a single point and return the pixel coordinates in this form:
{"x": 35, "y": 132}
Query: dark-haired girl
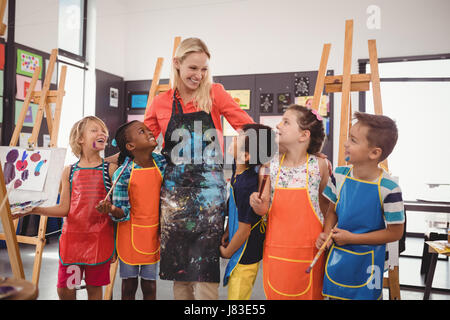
{"x": 135, "y": 206}
{"x": 294, "y": 205}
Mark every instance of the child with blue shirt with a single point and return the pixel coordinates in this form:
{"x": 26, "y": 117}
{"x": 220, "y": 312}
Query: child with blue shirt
{"x": 368, "y": 211}
{"x": 243, "y": 239}
{"x": 135, "y": 207}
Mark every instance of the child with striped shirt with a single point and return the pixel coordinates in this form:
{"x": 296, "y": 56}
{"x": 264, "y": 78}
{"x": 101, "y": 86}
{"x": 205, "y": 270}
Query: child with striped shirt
{"x": 368, "y": 211}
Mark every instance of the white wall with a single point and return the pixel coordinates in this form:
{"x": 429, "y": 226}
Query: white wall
{"x": 254, "y": 36}
{"x": 37, "y": 24}
{"x": 244, "y": 36}
{"x": 111, "y": 36}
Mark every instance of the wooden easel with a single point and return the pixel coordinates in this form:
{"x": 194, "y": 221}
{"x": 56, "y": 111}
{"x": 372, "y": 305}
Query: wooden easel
{"x": 155, "y": 88}
{"x": 347, "y": 83}
{"x": 43, "y": 98}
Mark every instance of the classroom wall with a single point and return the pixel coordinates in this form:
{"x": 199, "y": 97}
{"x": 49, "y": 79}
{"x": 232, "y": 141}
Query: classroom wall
{"x": 248, "y": 37}
{"x": 37, "y": 24}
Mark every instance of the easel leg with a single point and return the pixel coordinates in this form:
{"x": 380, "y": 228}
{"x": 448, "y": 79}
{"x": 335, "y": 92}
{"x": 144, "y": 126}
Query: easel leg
{"x": 394, "y": 284}
{"x": 39, "y": 250}
{"x": 112, "y": 276}
{"x": 10, "y": 232}
{"x": 321, "y": 76}
{"x": 346, "y": 83}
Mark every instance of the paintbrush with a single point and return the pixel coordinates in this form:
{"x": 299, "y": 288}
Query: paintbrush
{"x": 117, "y": 179}
{"x": 321, "y": 250}
{"x": 263, "y": 182}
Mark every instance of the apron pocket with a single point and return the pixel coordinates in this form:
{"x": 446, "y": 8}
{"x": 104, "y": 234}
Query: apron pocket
{"x": 348, "y": 268}
{"x": 297, "y": 284}
{"x": 145, "y": 239}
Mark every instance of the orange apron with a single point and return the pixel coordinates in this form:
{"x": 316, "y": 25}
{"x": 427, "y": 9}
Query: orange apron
{"x": 138, "y": 239}
{"x": 289, "y": 248}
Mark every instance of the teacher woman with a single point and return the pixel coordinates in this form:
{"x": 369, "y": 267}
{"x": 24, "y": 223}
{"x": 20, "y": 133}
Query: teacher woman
{"x": 193, "y": 193}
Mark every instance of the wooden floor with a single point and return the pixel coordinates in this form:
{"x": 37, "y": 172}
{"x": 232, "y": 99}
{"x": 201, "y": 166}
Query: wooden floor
{"x": 409, "y": 275}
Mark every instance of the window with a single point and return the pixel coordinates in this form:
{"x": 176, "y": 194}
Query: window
{"x": 72, "y": 28}
{"x": 415, "y": 93}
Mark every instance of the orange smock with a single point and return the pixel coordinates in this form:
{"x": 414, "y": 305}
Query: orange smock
{"x": 292, "y": 229}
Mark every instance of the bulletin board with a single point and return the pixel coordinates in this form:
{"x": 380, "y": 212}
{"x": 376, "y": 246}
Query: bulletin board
{"x": 263, "y": 96}
{"x": 26, "y": 59}
{"x": 271, "y": 93}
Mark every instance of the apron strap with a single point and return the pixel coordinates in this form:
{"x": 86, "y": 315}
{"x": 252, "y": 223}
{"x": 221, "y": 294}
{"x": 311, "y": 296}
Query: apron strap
{"x": 176, "y": 104}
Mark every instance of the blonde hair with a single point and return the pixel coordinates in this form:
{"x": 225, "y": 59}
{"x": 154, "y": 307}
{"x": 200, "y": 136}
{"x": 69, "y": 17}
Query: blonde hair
{"x": 76, "y": 133}
{"x": 202, "y": 97}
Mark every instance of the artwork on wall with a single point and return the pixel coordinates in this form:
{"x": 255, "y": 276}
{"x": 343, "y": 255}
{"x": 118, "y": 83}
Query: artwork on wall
{"x": 30, "y": 116}
{"x": 242, "y": 98}
{"x": 24, "y": 169}
{"x": 2, "y": 56}
{"x": 301, "y": 85}
{"x": 27, "y": 63}
{"x": 270, "y": 121}
{"x": 324, "y": 104}
{"x": 22, "y": 85}
{"x": 266, "y": 103}
{"x": 114, "y": 97}
{"x": 228, "y": 130}
{"x": 284, "y": 100}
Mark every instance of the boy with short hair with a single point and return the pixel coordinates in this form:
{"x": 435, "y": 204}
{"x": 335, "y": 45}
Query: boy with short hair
{"x": 368, "y": 211}
{"x": 244, "y": 236}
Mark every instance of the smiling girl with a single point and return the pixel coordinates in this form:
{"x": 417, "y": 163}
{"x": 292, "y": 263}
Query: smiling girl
{"x": 86, "y": 244}
{"x": 294, "y": 205}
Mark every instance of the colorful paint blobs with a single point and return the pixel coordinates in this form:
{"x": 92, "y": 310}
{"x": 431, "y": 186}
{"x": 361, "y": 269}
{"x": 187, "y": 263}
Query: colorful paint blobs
{"x": 37, "y": 170}
{"x": 35, "y": 157}
{"x": 26, "y": 170}
{"x": 8, "y": 169}
{"x": 17, "y": 183}
{"x": 22, "y": 164}
{"x": 27, "y": 63}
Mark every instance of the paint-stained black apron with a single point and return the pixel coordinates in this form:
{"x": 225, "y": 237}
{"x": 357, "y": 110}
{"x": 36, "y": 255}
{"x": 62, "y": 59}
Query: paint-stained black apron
{"x": 193, "y": 198}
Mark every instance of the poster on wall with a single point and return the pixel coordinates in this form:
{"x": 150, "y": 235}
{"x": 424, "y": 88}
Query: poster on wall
{"x": 2, "y": 56}
{"x": 270, "y": 121}
{"x": 266, "y": 103}
{"x": 27, "y": 63}
{"x": 23, "y": 84}
{"x": 301, "y": 85}
{"x": 242, "y": 98}
{"x": 284, "y": 100}
{"x": 324, "y": 104}
{"x": 228, "y": 130}
{"x": 30, "y": 116}
{"x": 114, "y": 97}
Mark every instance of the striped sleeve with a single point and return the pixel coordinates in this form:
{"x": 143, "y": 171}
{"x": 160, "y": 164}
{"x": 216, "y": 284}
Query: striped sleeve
{"x": 334, "y": 183}
{"x": 393, "y": 207}
{"x": 120, "y": 193}
{"x": 330, "y": 190}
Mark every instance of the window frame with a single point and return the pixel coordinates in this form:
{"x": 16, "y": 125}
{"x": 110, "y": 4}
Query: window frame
{"x": 71, "y": 55}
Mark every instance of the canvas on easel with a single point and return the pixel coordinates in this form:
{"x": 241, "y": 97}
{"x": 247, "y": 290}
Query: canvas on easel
{"x": 53, "y": 157}
{"x": 345, "y": 84}
{"x": 155, "y": 88}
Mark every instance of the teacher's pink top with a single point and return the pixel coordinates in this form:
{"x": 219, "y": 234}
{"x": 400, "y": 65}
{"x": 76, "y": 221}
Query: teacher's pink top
{"x": 158, "y": 115}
